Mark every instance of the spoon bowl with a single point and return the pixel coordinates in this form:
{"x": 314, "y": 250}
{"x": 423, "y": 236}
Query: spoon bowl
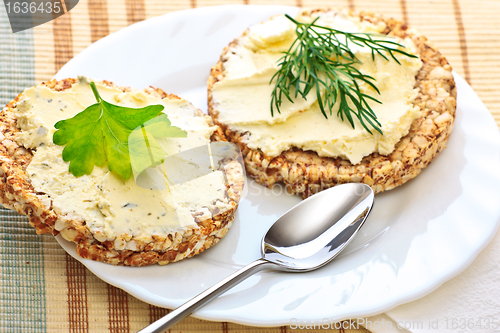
{"x": 305, "y": 238}
{"x": 316, "y": 230}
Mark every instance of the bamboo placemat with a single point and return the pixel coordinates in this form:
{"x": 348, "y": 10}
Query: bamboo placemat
{"x": 42, "y": 289}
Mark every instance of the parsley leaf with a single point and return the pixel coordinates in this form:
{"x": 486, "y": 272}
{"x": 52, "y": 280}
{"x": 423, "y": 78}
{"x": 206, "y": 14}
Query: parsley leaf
{"x": 144, "y": 149}
{"x": 100, "y": 133}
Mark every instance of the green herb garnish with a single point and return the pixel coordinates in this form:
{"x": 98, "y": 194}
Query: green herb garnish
{"x": 100, "y": 134}
{"x": 143, "y": 146}
{"x": 320, "y": 58}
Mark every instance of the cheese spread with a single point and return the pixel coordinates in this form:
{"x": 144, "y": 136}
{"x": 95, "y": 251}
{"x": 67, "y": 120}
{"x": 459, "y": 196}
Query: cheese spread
{"x": 115, "y": 209}
{"x": 242, "y": 98}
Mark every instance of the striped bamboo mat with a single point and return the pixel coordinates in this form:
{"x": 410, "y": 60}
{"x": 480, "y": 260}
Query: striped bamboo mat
{"x": 43, "y": 289}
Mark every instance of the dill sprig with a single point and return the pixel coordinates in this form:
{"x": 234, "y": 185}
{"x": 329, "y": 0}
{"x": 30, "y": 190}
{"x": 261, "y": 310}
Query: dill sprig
{"x": 318, "y": 58}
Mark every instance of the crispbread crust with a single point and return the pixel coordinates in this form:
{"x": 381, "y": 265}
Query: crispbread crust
{"x": 304, "y": 172}
{"x": 17, "y": 193}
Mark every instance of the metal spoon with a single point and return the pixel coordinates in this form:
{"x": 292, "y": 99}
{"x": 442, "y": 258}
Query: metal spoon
{"x": 303, "y": 239}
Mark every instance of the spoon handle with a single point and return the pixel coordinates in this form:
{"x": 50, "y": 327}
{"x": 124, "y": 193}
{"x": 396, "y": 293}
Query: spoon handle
{"x": 214, "y": 291}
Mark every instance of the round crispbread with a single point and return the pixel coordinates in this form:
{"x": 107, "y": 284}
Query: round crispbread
{"x": 17, "y": 193}
{"x": 304, "y": 172}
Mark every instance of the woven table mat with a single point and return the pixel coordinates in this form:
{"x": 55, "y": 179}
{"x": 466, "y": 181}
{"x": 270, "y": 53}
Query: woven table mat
{"x": 44, "y": 289}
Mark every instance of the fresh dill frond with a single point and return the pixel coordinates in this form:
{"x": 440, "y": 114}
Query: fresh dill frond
{"x": 320, "y": 58}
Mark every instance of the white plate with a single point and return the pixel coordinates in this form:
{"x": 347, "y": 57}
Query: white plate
{"x": 417, "y": 237}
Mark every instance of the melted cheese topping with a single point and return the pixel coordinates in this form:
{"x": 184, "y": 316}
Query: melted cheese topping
{"x": 112, "y": 207}
{"x": 243, "y": 96}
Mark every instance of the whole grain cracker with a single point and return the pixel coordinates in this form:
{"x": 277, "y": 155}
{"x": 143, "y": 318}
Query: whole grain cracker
{"x": 17, "y": 193}
{"x": 304, "y": 172}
